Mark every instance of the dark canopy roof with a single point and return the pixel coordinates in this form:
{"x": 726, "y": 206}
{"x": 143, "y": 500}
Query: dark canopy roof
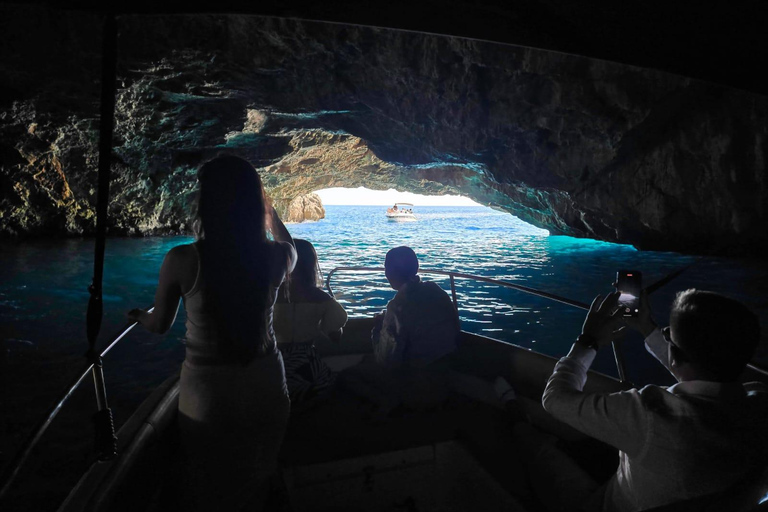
{"x": 722, "y": 42}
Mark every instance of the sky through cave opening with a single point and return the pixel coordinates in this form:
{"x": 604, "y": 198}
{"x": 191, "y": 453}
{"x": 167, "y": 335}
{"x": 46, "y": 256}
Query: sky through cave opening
{"x": 365, "y": 196}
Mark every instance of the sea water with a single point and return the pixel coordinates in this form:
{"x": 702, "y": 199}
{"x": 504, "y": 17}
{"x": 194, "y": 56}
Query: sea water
{"x": 44, "y": 296}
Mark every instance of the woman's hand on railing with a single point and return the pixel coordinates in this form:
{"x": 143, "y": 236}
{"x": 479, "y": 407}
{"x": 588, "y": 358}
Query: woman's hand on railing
{"x": 135, "y": 314}
{"x": 145, "y": 319}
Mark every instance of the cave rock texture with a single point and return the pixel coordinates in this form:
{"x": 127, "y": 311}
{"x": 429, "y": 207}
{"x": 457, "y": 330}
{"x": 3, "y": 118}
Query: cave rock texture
{"x": 578, "y": 146}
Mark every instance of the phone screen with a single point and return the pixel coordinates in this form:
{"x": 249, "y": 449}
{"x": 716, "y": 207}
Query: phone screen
{"x": 629, "y": 283}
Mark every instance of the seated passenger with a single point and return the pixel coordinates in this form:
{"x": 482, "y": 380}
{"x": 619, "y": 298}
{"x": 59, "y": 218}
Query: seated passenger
{"x": 701, "y": 436}
{"x": 420, "y": 324}
{"x": 305, "y": 314}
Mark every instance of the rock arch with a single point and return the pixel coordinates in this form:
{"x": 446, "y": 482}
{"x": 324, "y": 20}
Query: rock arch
{"x": 577, "y": 146}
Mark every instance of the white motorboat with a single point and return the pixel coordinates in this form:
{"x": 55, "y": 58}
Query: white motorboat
{"x": 401, "y": 212}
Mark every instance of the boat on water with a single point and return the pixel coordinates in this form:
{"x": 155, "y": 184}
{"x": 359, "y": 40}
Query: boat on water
{"x": 401, "y": 212}
{"x": 455, "y": 455}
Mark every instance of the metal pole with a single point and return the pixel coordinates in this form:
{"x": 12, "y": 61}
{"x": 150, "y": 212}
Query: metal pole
{"x": 105, "y": 438}
{"x": 99, "y": 386}
{"x": 618, "y": 356}
{"x": 453, "y": 293}
{"x": 13, "y": 469}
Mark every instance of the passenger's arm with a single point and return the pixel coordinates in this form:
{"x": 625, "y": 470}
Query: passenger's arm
{"x": 618, "y": 419}
{"x": 283, "y": 236}
{"x": 334, "y": 317}
{"x": 167, "y": 296}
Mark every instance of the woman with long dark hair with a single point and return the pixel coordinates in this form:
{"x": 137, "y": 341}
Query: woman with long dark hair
{"x": 233, "y": 400}
{"x": 304, "y": 315}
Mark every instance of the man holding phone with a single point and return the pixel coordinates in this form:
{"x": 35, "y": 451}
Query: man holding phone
{"x": 699, "y": 437}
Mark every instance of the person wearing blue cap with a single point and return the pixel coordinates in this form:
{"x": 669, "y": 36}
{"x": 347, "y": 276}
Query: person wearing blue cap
{"x": 420, "y": 324}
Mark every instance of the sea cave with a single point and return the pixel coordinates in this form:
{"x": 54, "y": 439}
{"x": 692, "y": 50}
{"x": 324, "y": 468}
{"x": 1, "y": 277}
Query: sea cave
{"x": 577, "y": 145}
{"x": 637, "y": 123}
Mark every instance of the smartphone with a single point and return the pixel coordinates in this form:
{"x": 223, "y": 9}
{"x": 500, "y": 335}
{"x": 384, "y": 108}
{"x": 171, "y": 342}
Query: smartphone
{"x": 629, "y": 283}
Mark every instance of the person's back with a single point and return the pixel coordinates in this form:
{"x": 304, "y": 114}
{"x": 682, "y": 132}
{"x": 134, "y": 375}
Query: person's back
{"x": 205, "y": 330}
{"x": 233, "y": 403}
{"x": 428, "y": 325}
{"x": 304, "y": 315}
{"x": 307, "y": 316}
{"x": 420, "y": 324}
{"x": 697, "y": 438}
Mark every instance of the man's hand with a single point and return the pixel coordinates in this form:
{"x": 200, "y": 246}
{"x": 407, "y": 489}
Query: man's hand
{"x": 602, "y": 321}
{"x": 643, "y": 322}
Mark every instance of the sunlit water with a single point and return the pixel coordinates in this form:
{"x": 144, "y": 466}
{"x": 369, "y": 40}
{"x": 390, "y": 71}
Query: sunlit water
{"x": 43, "y": 298}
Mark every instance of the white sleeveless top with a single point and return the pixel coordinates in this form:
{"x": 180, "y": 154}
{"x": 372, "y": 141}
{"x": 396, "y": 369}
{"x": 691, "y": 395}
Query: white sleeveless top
{"x": 203, "y": 340}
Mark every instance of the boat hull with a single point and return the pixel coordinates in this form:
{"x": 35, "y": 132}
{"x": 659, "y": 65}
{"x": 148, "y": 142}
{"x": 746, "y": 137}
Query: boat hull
{"x": 401, "y": 218}
{"x": 371, "y": 455}
{"x": 439, "y": 458}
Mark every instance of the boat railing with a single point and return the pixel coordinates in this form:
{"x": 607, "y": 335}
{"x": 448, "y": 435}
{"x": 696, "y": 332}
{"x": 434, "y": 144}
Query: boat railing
{"x": 19, "y": 460}
{"x": 454, "y": 275}
{"x": 94, "y": 368}
{"x": 617, "y": 353}
{"x": 755, "y": 369}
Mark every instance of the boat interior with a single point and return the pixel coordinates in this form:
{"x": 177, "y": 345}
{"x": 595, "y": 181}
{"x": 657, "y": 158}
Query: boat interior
{"x": 457, "y": 450}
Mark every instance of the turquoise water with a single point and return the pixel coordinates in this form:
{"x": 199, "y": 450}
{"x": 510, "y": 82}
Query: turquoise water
{"x": 43, "y": 297}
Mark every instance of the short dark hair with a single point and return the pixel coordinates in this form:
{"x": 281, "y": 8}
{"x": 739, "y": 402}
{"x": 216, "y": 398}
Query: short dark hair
{"x": 714, "y": 331}
{"x": 402, "y": 262}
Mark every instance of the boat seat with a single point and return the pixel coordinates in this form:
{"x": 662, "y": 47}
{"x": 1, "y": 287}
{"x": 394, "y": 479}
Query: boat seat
{"x": 339, "y": 431}
{"x": 341, "y": 428}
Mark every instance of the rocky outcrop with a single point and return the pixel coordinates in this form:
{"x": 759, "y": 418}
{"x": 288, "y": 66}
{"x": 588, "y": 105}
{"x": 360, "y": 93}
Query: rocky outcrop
{"x": 308, "y": 207}
{"x": 577, "y": 146}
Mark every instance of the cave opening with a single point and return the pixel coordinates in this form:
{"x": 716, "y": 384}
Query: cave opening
{"x": 573, "y": 144}
{"x": 367, "y": 196}
{"x": 583, "y": 147}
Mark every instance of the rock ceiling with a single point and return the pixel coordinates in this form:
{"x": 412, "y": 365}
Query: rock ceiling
{"x": 578, "y": 146}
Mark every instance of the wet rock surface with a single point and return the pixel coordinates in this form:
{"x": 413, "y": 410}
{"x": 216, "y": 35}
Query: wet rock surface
{"x": 578, "y": 146}
{"x": 303, "y": 208}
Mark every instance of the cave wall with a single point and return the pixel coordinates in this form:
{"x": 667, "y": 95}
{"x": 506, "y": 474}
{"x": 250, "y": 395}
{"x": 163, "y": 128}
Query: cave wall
{"x": 577, "y": 146}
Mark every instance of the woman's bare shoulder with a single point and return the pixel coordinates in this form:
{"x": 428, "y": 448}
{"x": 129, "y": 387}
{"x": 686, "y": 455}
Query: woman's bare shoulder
{"x": 318, "y": 295}
{"x": 183, "y": 263}
{"x": 185, "y": 253}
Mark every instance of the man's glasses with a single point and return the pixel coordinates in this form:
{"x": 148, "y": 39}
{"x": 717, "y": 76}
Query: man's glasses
{"x": 667, "y": 334}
